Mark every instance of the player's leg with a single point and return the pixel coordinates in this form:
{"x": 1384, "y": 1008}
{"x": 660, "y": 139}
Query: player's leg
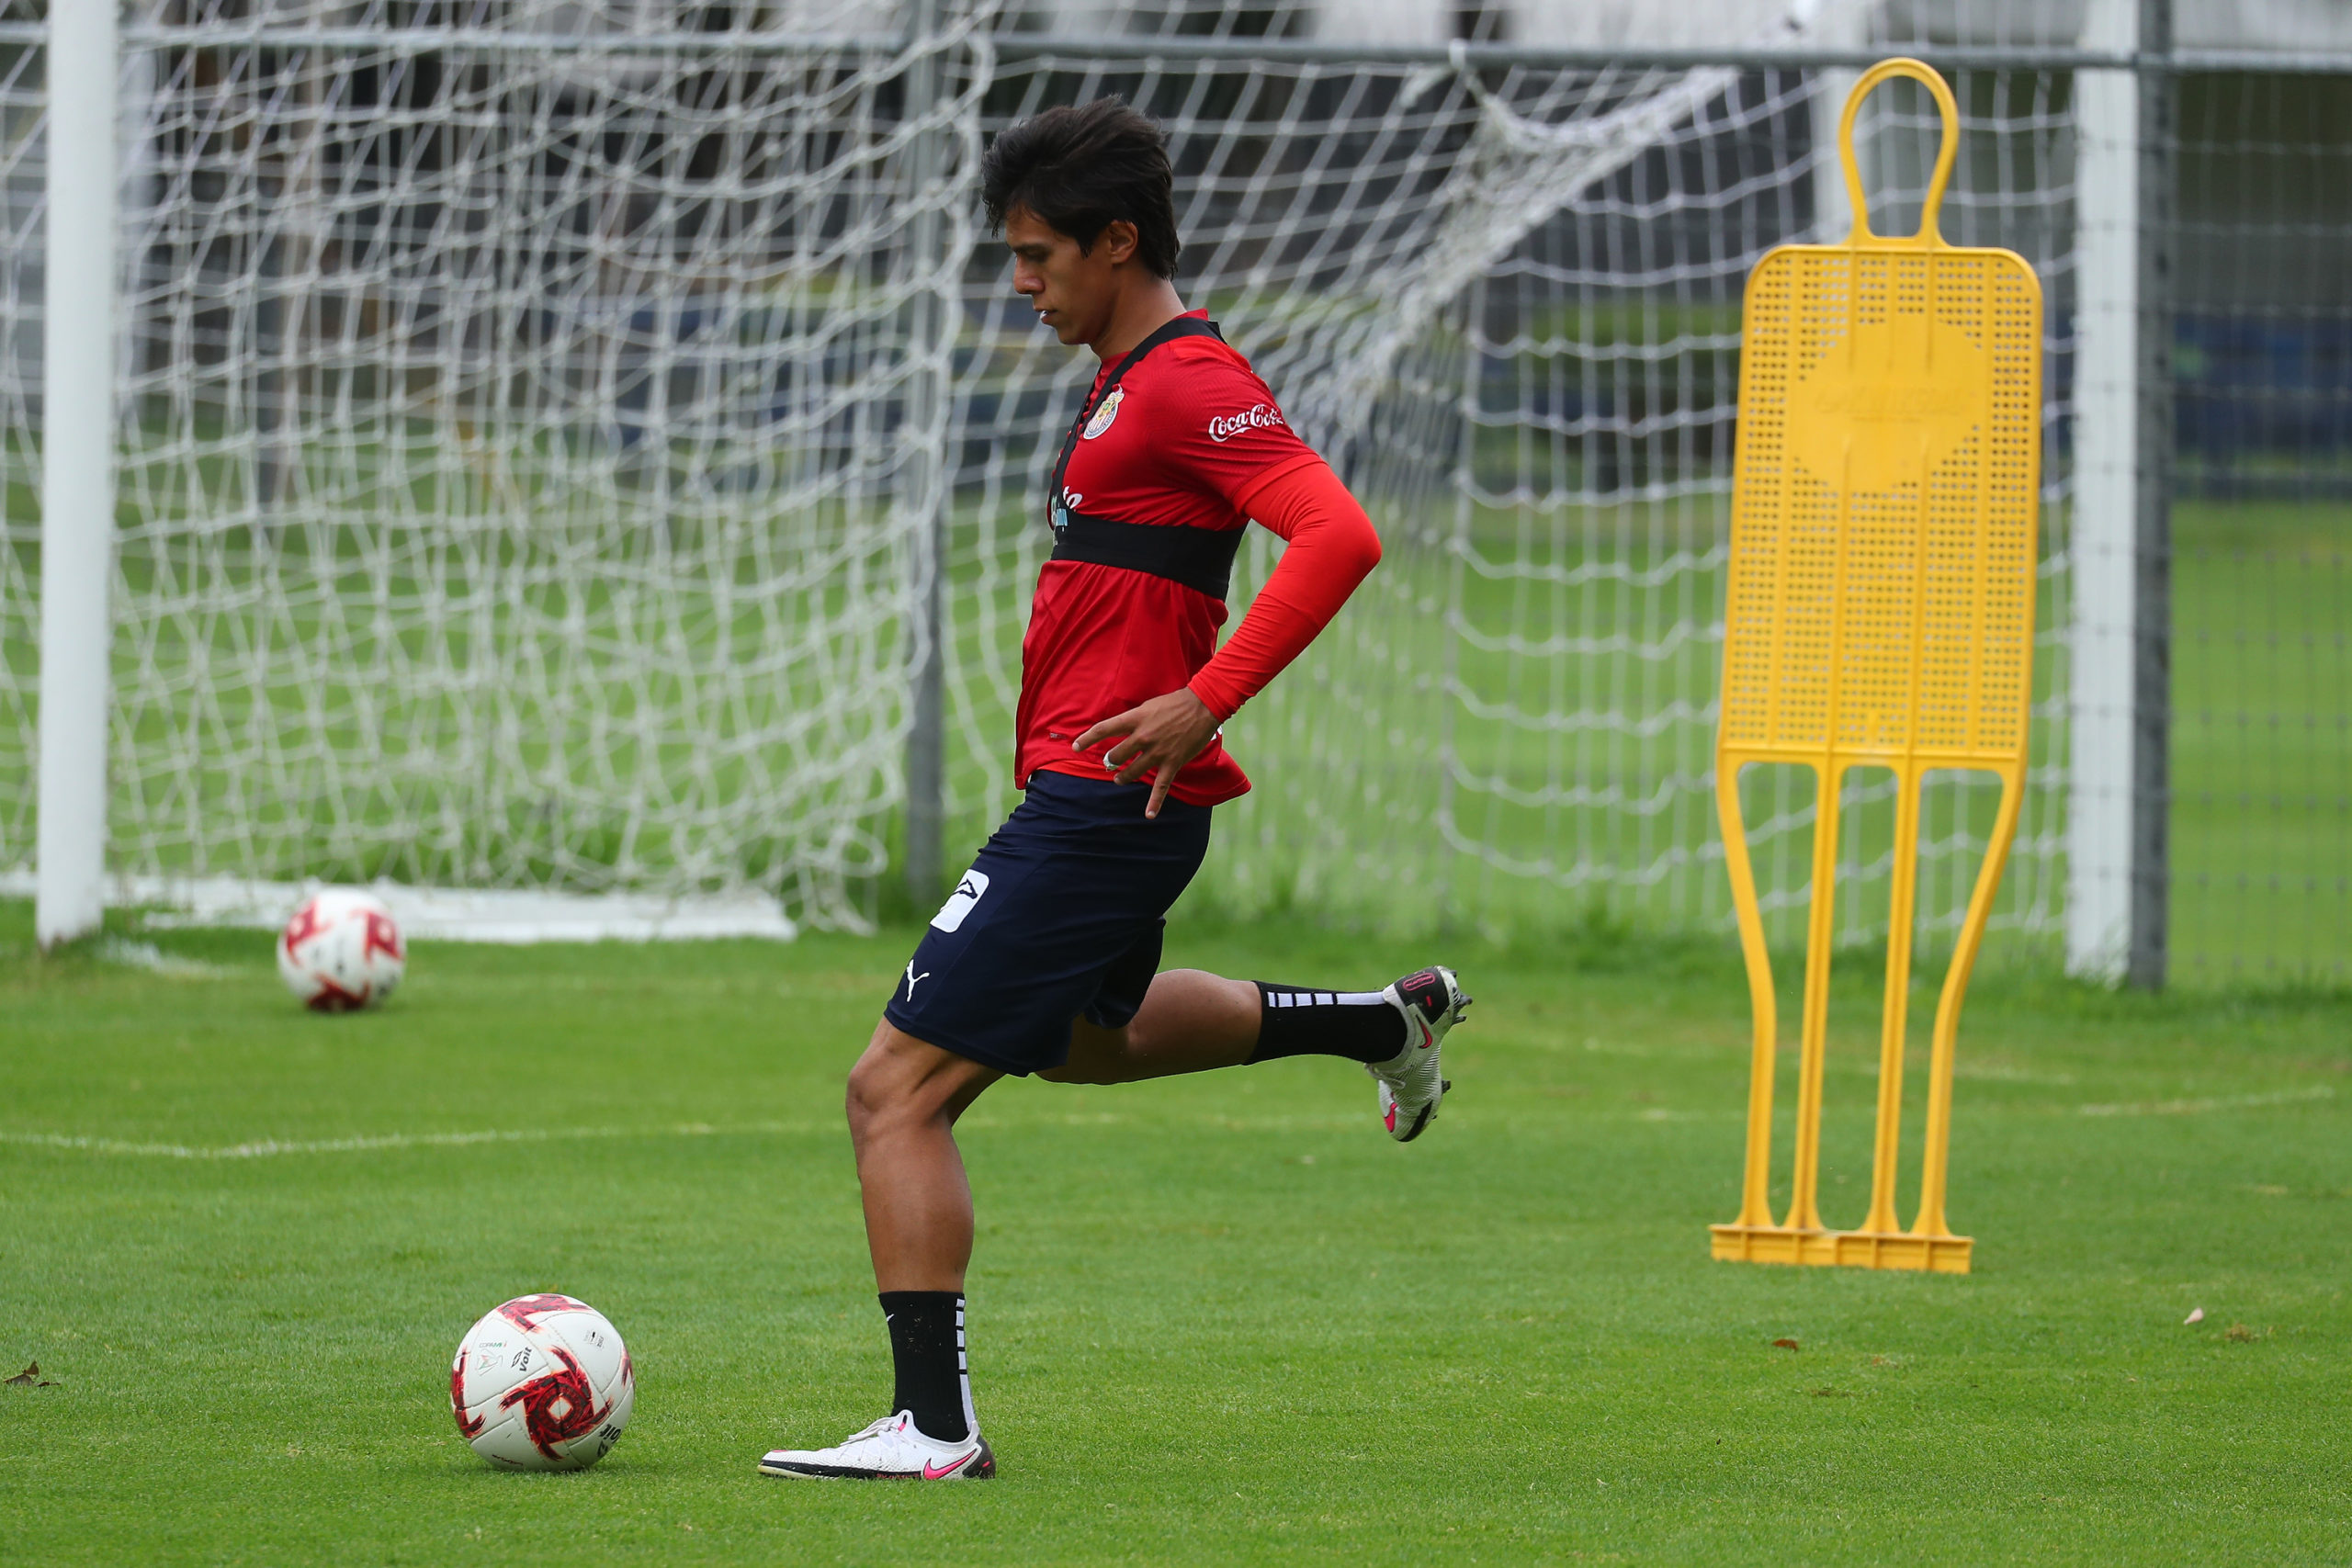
{"x": 903, "y": 1101}
{"x": 1054, "y": 899}
{"x": 1146, "y": 1025}
{"x": 1185, "y": 1020}
{"x": 904, "y": 1098}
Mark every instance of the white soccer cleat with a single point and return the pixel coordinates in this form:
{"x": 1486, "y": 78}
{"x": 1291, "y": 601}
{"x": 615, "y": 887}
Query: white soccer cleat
{"x": 890, "y": 1449}
{"x": 1411, "y": 1082}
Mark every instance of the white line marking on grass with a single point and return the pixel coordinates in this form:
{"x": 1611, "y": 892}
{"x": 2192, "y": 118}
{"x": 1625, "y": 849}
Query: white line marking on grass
{"x": 2200, "y": 1107}
{"x": 1994, "y": 1072}
{"x": 156, "y": 961}
{"x": 268, "y": 1147}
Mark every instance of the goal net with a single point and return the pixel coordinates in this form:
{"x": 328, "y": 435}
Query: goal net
{"x": 527, "y": 419}
{"x": 535, "y": 417}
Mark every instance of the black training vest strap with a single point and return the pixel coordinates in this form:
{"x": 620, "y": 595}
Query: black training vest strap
{"x": 1167, "y": 332}
{"x": 1200, "y": 559}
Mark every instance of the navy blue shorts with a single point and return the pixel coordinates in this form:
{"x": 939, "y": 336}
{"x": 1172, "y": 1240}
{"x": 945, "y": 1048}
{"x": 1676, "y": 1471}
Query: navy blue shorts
{"x": 1060, "y": 917}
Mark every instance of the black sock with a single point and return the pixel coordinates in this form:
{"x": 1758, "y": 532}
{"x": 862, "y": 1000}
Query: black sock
{"x": 927, "y": 1346}
{"x": 1293, "y": 1020}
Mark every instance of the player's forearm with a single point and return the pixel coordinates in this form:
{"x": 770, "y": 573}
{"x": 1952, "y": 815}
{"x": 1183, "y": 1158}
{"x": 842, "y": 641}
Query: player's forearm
{"x": 1332, "y": 547}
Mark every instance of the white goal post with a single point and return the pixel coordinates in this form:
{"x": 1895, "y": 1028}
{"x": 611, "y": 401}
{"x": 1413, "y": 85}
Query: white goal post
{"x": 77, "y": 476}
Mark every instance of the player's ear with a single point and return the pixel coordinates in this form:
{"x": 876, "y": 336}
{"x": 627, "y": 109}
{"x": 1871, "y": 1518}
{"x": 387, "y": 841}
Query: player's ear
{"x": 1119, "y": 242}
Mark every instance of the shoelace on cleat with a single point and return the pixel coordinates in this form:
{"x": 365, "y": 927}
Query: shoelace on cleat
{"x": 881, "y": 1428}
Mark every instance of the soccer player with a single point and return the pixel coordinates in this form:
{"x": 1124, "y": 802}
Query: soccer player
{"x": 1045, "y": 959}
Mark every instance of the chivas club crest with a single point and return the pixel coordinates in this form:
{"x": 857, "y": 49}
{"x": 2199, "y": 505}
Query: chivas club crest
{"x": 1104, "y": 414}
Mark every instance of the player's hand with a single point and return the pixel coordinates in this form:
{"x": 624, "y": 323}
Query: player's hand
{"x": 1161, "y": 736}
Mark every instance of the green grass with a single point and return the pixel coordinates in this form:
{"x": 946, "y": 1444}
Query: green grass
{"x": 2262, "y": 740}
{"x": 1218, "y": 1319}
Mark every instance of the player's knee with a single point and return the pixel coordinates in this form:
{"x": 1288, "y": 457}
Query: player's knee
{"x": 889, "y": 1093}
{"x": 857, "y": 1103}
{"x": 870, "y": 1100}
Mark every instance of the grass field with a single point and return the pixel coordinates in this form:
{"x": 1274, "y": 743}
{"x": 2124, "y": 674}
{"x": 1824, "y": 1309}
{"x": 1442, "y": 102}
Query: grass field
{"x": 1220, "y": 1319}
{"x": 2262, "y": 742}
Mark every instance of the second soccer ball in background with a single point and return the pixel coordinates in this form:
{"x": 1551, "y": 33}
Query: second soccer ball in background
{"x": 341, "y": 952}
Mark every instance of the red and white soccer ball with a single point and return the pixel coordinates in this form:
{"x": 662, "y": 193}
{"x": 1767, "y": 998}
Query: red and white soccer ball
{"x": 341, "y": 952}
{"x": 543, "y": 1382}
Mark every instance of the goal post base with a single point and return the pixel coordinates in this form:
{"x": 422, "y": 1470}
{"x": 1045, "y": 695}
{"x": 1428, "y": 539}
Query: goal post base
{"x": 1849, "y": 1250}
{"x": 510, "y": 915}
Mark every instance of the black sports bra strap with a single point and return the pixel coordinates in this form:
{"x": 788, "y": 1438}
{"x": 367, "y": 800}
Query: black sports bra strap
{"x": 1167, "y": 332}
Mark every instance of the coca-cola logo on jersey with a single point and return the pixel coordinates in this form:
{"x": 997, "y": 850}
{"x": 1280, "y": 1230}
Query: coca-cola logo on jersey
{"x": 1256, "y": 416}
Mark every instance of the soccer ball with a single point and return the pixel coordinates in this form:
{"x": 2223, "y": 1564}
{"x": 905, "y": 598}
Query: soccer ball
{"x": 341, "y": 952}
{"x": 543, "y": 1382}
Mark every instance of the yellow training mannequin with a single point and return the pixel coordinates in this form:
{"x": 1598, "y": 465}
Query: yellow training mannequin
{"x": 1880, "y": 614}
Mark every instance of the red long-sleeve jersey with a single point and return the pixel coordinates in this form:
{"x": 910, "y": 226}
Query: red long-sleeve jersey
{"x": 1191, "y": 437}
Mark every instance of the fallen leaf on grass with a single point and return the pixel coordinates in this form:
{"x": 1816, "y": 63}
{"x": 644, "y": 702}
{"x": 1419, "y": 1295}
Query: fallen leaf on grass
{"x": 1784, "y": 1344}
{"x": 2196, "y": 1314}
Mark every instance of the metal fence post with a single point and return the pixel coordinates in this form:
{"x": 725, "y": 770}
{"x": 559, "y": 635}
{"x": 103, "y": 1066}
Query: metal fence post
{"x": 2151, "y": 651}
{"x": 926, "y": 732}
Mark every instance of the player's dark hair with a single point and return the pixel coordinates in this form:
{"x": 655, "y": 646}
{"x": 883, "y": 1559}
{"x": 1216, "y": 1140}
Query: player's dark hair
{"x": 1083, "y": 167}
